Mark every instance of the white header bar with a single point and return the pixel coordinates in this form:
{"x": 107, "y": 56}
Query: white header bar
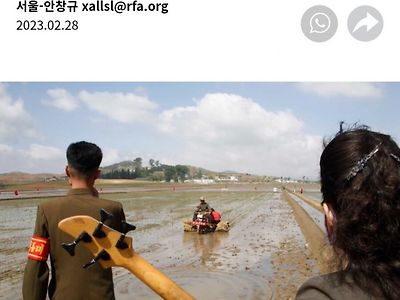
{"x": 186, "y": 40}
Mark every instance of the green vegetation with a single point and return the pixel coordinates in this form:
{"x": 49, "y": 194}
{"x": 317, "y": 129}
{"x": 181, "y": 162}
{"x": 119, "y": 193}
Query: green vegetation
{"x": 156, "y": 172}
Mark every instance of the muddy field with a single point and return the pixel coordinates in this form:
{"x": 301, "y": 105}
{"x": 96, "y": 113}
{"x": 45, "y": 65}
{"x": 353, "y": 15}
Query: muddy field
{"x": 264, "y": 256}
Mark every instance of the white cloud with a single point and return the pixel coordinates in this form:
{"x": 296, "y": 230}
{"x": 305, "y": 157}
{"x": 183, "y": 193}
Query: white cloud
{"x": 124, "y": 108}
{"x": 15, "y": 121}
{"x": 5, "y": 149}
{"x": 61, "y": 99}
{"x": 41, "y": 152}
{"x": 225, "y": 132}
{"x": 110, "y": 156}
{"x": 36, "y": 158}
{"x": 343, "y": 89}
{"x": 225, "y": 118}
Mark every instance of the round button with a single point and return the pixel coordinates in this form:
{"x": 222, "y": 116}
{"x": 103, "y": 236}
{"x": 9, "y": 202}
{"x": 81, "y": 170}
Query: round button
{"x": 365, "y": 23}
{"x": 319, "y": 23}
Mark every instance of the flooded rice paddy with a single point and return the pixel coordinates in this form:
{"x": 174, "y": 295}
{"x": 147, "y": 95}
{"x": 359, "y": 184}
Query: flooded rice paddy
{"x": 263, "y": 256}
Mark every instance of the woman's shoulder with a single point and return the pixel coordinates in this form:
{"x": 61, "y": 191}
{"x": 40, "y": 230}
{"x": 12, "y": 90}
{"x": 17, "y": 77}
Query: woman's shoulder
{"x": 320, "y": 287}
{"x": 338, "y": 285}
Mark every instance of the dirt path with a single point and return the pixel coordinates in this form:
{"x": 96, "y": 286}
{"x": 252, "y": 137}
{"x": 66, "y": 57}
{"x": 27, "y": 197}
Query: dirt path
{"x": 310, "y": 202}
{"x": 315, "y": 237}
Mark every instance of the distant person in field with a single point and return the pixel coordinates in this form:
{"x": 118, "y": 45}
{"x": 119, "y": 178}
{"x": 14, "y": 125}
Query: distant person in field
{"x": 360, "y": 185}
{"x": 202, "y": 207}
{"x": 68, "y": 279}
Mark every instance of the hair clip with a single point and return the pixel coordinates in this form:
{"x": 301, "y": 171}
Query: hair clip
{"x": 361, "y": 164}
{"x": 395, "y": 157}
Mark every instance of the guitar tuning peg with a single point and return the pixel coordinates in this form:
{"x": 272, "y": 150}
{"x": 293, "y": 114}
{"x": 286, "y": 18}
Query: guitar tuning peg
{"x": 125, "y": 228}
{"x": 103, "y": 254}
{"x": 120, "y": 243}
{"x": 104, "y": 216}
{"x": 98, "y": 232}
{"x": 70, "y": 248}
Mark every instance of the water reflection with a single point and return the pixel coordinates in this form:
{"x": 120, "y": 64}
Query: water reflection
{"x": 204, "y": 244}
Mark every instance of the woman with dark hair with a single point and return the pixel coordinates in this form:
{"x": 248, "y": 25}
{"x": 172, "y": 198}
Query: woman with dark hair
{"x": 360, "y": 185}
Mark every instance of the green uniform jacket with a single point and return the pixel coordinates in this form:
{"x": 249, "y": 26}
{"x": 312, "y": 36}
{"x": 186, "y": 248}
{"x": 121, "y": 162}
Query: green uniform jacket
{"x": 68, "y": 279}
{"x": 203, "y": 207}
{"x": 329, "y": 287}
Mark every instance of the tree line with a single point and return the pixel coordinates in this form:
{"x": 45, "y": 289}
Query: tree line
{"x": 156, "y": 171}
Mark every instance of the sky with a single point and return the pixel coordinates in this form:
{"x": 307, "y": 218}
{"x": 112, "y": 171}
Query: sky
{"x": 270, "y": 128}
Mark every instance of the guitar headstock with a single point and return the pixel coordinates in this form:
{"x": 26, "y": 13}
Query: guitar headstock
{"x": 108, "y": 246}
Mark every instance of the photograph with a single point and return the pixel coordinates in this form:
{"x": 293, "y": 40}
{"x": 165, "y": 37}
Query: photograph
{"x": 199, "y": 190}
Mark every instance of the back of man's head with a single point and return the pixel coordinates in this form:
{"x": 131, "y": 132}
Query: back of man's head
{"x": 84, "y": 158}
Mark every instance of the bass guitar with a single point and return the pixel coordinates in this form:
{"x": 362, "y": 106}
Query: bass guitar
{"x": 114, "y": 249}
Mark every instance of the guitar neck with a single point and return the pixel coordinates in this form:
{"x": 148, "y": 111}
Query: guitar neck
{"x": 154, "y": 279}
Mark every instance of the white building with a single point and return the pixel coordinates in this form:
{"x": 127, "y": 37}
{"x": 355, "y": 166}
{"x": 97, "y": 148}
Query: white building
{"x": 227, "y": 179}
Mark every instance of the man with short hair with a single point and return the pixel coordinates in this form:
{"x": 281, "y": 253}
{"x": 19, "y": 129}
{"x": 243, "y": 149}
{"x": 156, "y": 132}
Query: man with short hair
{"x": 203, "y": 207}
{"x": 68, "y": 279}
